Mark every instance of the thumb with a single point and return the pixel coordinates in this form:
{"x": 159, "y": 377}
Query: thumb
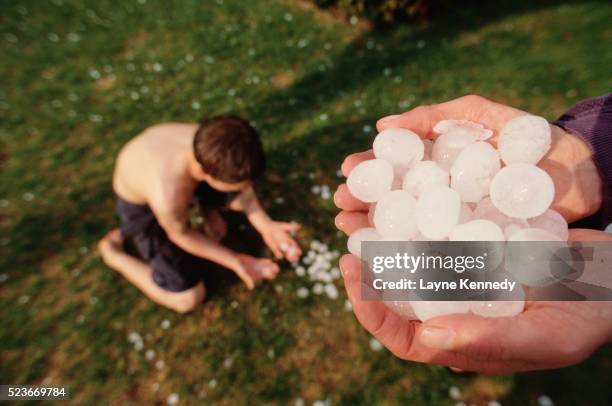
{"x": 525, "y": 337}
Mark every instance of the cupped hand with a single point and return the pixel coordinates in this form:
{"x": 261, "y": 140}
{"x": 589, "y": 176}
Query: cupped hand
{"x": 546, "y": 335}
{"x": 569, "y": 161}
{"x": 252, "y": 270}
{"x": 277, "y": 237}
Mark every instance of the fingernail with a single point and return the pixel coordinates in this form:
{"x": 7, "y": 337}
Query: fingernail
{"x": 338, "y": 222}
{"x": 390, "y": 118}
{"x": 437, "y": 337}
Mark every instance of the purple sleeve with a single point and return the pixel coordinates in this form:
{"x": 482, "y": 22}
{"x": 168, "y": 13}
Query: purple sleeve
{"x": 591, "y": 119}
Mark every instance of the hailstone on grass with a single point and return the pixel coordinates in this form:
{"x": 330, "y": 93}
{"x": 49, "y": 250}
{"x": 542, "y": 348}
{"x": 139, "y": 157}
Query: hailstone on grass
{"x": 524, "y": 139}
{"x": 522, "y": 190}
{"x": 370, "y": 180}
{"x": 400, "y": 147}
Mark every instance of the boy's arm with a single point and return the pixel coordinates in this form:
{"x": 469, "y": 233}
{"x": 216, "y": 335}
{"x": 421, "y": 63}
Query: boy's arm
{"x": 275, "y": 233}
{"x": 179, "y": 232}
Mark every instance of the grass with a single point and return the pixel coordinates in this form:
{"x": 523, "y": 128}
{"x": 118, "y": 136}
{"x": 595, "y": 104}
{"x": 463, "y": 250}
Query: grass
{"x": 80, "y": 78}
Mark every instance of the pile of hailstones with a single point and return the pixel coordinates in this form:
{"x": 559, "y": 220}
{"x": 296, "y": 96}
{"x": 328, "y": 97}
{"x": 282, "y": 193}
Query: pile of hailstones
{"x": 318, "y": 265}
{"x": 457, "y": 189}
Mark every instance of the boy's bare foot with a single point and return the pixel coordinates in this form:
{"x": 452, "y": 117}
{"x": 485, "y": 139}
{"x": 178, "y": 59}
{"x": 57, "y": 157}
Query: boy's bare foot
{"x": 109, "y": 246}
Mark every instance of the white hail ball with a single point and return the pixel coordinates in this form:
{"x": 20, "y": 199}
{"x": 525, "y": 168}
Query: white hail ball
{"x": 370, "y": 180}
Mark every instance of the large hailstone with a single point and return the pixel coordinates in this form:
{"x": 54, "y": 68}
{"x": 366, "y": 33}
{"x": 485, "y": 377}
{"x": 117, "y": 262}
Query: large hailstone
{"x": 524, "y": 139}
{"x": 401, "y": 308}
{"x": 425, "y": 310}
{"x": 357, "y": 236}
{"x": 522, "y": 190}
{"x": 473, "y": 170}
{"x": 487, "y": 211}
{"x": 553, "y": 222}
{"x": 447, "y": 146}
{"x": 424, "y": 174}
{"x": 437, "y": 211}
{"x": 400, "y": 147}
{"x": 501, "y": 308}
{"x": 477, "y": 130}
{"x": 394, "y": 216}
{"x": 370, "y": 180}
{"x": 533, "y": 234}
{"x": 477, "y": 230}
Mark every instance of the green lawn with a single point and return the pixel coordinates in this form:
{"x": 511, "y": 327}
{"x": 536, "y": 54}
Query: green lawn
{"x": 80, "y": 78}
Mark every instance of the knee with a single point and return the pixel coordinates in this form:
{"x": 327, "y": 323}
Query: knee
{"x": 190, "y": 300}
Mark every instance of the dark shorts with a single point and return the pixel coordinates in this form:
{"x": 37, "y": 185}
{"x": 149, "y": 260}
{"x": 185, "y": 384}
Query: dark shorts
{"x": 174, "y": 269}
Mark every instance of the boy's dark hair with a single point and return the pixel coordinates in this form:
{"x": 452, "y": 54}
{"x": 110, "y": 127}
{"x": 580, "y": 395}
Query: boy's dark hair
{"x": 229, "y": 149}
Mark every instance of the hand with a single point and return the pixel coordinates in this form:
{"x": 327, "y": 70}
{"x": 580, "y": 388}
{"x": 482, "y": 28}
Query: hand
{"x": 214, "y": 225}
{"x": 546, "y": 335}
{"x": 277, "y": 238}
{"x": 569, "y": 161}
{"x": 256, "y": 269}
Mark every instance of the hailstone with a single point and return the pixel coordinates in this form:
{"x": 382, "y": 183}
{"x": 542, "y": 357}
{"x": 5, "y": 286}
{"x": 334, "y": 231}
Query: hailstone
{"x": 400, "y": 147}
{"x": 534, "y": 234}
{"x": 437, "y": 211}
{"x": 424, "y": 174}
{"x": 426, "y": 310}
{"x": 524, "y": 139}
{"x": 370, "y": 180}
{"x": 522, "y": 190}
{"x": 477, "y": 230}
{"x": 473, "y": 170}
{"x": 552, "y": 222}
{"x": 501, "y": 308}
{"x": 448, "y": 146}
{"x": 357, "y": 236}
{"x": 394, "y": 216}
{"x": 477, "y": 130}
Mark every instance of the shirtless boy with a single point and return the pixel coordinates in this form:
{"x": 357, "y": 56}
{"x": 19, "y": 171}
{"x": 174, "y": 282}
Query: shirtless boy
{"x": 158, "y": 175}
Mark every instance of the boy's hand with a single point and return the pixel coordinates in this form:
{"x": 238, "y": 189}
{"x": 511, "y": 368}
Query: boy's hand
{"x": 277, "y": 238}
{"x": 255, "y": 269}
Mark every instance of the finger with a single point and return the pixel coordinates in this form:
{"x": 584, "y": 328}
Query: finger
{"x": 584, "y": 234}
{"x": 290, "y": 227}
{"x": 355, "y": 159}
{"x": 248, "y": 281}
{"x": 395, "y": 333}
{"x": 276, "y": 251}
{"x": 349, "y": 221}
{"x": 422, "y": 119}
{"x": 406, "y": 339}
{"x": 346, "y": 201}
{"x": 525, "y": 340}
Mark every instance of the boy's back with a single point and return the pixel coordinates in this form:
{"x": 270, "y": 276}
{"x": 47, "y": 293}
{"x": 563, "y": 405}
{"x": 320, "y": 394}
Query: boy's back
{"x": 151, "y": 168}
